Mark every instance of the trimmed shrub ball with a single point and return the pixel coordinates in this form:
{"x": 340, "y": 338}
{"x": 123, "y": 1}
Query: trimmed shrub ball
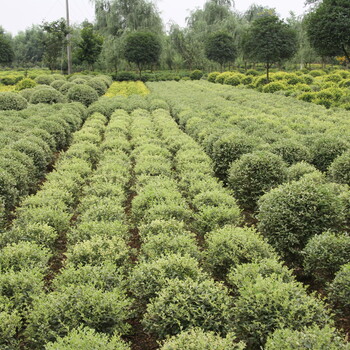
{"x": 182, "y": 305}
{"x": 197, "y": 339}
{"x": 324, "y": 255}
{"x": 254, "y": 174}
{"x": 339, "y": 291}
{"x": 99, "y": 85}
{"x": 87, "y": 339}
{"x": 291, "y": 214}
{"x": 47, "y": 96}
{"x": 45, "y": 79}
{"x": 82, "y": 93}
{"x": 312, "y": 338}
{"x": 12, "y": 100}
{"x": 339, "y": 170}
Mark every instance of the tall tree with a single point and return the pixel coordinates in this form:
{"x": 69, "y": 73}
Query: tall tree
{"x": 29, "y": 46}
{"x": 90, "y": 45}
{"x": 269, "y": 40}
{"x": 6, "y": 49}
{"x": 142, "y": 48}
{"x": 220, "y": 47}
{"x": 54, "y": 41}
{"x": 328, "y": 28}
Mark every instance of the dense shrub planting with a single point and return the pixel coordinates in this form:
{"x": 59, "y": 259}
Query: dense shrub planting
{"x": 44, "y": 79}
{"x": 339, "y": 170}
{"x": 87, "y": 339}
{"x": 254, "y": 174}
{"x": 268, "y": 304}
{"x": 339, "y": 291}
{"x": 291, "y": 214}
{"x": 26, "y": 83}
{"x": 12, "y": 100}
{"x": 82, "y": 93}
{"x": 197, "y": 339}
{"x": 46, "y": 96}
{"x": 54, "y": 314}
{"x": 246, "y": 273}
{"x": 182, "y": 305}
{"x": 324, "y": 255}
{"x": 231, "y": 246}
{"x": 314, "y": 338}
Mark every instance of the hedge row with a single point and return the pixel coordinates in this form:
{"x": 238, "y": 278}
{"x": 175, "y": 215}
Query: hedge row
{"x": 98, "y": 258}
{"x": 29, "y": 141}
{"x": 231, "y": 122}
{"x": 28, "y": 246}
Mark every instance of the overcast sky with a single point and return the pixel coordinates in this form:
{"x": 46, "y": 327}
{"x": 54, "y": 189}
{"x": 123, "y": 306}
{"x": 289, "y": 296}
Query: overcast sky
{"x": 17, "y": 15}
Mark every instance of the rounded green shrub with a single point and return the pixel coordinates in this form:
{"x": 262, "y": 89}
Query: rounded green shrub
{"x": 26, "y": 83}
{"x": 324, "y": 254}
{"x": 317, "y": 73}
{"x": 197, "y": 339}
{"x": 46, "y": 96}
{"x": 325, "y": 148}
{"x": 182, "y": 305}
{"x": 222, "y": 76}
{"x": 57, "y": 84}
{"x": 291, "y": 214}
{"x": 12, "y": 100}
{"x": 8, "y": 192}
{"x": 254, "y": 174}
{"x": 10, "y": 324}
{"x": 233, "y": 80}
{"x": 162, "y": 244}
{"x": 82, "y": 93}
{"x": 214, "y": 209}
{"x": 19, "y": 288}
{"x": 196, "y": 74}
{"x": 268, "y": 304}
{"x": 297, "y": 170}
{"x": 149, "y": 277}
{"x": 87, "y": 339}
{"x": 311, "y": 338}
{"x": 99, "y": 85}
{"x": 228, "y": 148}
{"x": 97, "y": 250}
{"x": 291, "y": 151}
{"x": 274, "y": 86}
{"x": 212, "y": 76}
{"x": 245, "y": 274}
{"x": 44, "y": 79}
{"x": 54, "y": 314}
{"x": 307, "y": 96}
{"x": 65, "y": 87}
{"x": 24, "y": 256}
{"x": 339, "y": 170}
{"x": 105, "y": 276}
{"x": 231, "y": 246}
{"x": 339, "y": 291}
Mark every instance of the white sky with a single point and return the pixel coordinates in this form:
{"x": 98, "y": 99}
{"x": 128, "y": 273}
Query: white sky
{"x": 17, "y": 15}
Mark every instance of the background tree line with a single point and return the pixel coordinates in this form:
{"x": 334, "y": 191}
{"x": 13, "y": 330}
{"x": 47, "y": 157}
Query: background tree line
{"x": 215, "y": 37}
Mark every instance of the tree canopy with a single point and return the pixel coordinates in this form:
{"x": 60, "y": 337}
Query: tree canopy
{"x": 220, "y": 47}
{"x": 269, "y": 40}
{"x": 328, "y": 28}
{"x": 6, "y": 50}
{"x": 142, "y": 48}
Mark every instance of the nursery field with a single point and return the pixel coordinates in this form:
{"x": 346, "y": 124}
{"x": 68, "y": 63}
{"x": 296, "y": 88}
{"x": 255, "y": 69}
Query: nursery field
{"x": 173, "y": 215}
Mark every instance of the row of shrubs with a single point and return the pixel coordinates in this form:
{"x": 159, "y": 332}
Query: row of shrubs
{"x": 55, "y": 88}
{"x": 172, "y": 277}
{"x": 29, "y": 141}
{"x": 158, "y": 76}
{"x": 98, "y": 258}
{"x": 29, "y": 245}
{"x": 329, "y": 90}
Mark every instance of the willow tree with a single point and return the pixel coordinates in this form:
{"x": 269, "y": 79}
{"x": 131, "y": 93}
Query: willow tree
{"x": 116, "y": 18}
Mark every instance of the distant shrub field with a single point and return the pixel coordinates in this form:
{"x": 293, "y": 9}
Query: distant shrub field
{"x": 173, "y": 215}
